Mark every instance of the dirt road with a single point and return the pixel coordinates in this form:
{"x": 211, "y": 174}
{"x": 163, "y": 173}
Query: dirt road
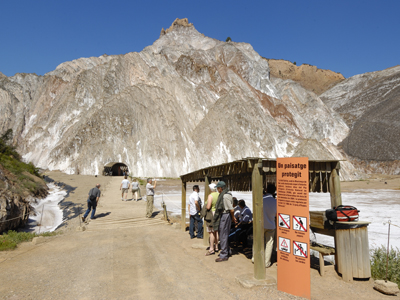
{"x": 123, "y": 255}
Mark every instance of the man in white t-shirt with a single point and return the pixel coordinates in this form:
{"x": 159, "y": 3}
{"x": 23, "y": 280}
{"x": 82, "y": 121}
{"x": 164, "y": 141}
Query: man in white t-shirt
{"x": 125, "y": 184}
{"x": 194, "y": 208}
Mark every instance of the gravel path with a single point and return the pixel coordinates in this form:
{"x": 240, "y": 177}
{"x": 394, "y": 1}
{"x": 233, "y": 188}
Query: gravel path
{"x": 123, "y": 255}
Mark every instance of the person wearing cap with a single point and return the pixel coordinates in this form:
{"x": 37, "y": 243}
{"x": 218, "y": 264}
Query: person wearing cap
{"x": 222, "y": 219}
{"x": 210, "y": 204}
{"x": 194, "y": 208}
{"x": 92, "y": 201}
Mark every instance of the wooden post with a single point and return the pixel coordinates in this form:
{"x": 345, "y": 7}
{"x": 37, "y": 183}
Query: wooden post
{"x": 206, "y": 235}
{"x": 258, "y": 220}
{"x": 183, "y": 210}
{"x": 336, "y": 200}
{"x": 336, "y": 197}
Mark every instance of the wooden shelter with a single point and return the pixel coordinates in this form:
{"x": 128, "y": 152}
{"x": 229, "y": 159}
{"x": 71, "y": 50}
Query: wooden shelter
{"x": 252, "y": 174}
{"x": 115, "y": 169}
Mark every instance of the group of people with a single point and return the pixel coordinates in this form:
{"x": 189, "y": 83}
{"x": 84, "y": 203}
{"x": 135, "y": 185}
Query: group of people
{"x": 126, "y": 185}
{"x": 229, "y": 219}
{"x": 225, "y": 216}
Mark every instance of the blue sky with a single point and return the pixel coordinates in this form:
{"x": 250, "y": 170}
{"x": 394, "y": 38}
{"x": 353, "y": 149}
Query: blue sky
{"x": 350, "y": 37}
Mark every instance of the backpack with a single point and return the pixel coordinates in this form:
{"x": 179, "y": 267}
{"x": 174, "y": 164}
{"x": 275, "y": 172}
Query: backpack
{"x": 91, "y": 196}
{"x": 342, "y": 213}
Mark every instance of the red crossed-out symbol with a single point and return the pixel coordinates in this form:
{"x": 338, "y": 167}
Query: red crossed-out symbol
{"x": 300, "y": 249}
{"x": 299, "y": 223}
{"x": 284, "y": 221}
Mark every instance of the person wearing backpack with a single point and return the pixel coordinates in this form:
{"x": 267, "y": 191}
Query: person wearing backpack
{"x": 224, "y": 214}
{"x": 92, "y": 201}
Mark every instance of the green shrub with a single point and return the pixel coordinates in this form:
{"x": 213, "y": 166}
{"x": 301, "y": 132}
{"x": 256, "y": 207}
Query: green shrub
{"x": 11, "y": 161}
{"x": 378, "y": 264}
{"x": 10, "y": 240}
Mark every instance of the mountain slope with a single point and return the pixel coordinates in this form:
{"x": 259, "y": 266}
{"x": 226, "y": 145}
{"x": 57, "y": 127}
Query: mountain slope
{"x": 309, "y": 77}
{"x": 370, "y": 105}
{"x": 183, "y": 103}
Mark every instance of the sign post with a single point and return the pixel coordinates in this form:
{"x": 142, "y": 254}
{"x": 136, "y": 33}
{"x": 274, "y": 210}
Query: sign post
{"x": 293, "y": 226}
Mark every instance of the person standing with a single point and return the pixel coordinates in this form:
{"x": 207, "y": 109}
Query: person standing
{"x": 210, "y": 204}
{"x": 269, "y": 204}
{"x": 150, "y": 197}
{"x": 222, "y": 219}
{"x": 92, "y": 201}
{"x": 125, "y": 184}
{"x": 194, "y": 208}
{"x": 135, "y": 189}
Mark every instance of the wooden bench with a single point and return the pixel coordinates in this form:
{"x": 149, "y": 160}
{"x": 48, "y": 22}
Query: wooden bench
{"x": 323, "y": 251}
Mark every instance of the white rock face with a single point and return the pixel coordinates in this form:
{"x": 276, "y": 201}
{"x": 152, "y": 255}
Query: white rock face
{"x": 370, "y": 105}
{"x": 183, "y": 103}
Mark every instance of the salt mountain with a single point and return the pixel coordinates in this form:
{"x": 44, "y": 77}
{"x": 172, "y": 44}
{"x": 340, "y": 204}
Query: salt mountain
{"x": 185, "y": 102}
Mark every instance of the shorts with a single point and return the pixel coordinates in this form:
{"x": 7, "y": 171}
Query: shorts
{"x": 125, "y": 191}
{"x": 210, "y": 229}
{"x": 134, "y": 190}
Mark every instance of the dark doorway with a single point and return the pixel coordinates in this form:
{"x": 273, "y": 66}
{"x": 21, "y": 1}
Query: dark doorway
{"x": 115, "y": 169}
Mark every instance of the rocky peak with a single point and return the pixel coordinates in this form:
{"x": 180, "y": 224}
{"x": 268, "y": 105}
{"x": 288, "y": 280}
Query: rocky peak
{"x": 2, "y": 75}
{"x": 177, "y": 23}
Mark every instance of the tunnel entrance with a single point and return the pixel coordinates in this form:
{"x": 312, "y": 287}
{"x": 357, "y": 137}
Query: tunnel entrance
{"x": 115, "y": 169}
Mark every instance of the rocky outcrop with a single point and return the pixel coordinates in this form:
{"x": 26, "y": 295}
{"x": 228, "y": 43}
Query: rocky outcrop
{"x": 370, "y": 105}
{"x": 178, "y": 22}
{"x": 183, "y": 103}
{"x": 14, "y": 209}
{"x": 309, "y": 77}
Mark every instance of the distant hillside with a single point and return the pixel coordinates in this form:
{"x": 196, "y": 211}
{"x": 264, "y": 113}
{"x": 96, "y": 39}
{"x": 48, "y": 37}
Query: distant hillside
{"x": 370, "y": 105}
{"x": 309, "y": 77}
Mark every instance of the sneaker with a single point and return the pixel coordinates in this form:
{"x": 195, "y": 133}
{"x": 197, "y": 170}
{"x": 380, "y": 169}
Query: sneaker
{"x": 83, "y": 219}
{"x": 221, "y": 259}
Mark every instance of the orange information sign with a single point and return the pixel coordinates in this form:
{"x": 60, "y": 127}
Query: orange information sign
{"x": 293, "y": 226}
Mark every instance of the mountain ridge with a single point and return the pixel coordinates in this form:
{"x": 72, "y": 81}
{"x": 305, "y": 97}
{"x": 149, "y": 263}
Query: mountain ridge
{"x": 185, "y": 102}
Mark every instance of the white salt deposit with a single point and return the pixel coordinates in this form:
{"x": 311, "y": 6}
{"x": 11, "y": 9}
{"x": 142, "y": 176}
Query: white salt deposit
{"x": 376, "y": 206}
{"x": 48, "y": 214}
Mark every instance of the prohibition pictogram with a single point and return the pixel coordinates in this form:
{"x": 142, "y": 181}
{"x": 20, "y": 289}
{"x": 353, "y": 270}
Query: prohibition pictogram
{"x": 300, "y": 249}
{"x": 284, "y": 221}
{"x": 300, "y": 223}
{"x": 284, "y": 244}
